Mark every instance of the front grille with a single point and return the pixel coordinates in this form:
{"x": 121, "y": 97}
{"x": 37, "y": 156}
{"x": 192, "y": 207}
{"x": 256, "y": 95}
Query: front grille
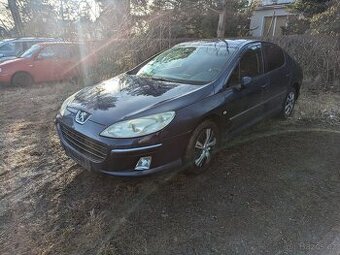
{"x": 87, "y": 146}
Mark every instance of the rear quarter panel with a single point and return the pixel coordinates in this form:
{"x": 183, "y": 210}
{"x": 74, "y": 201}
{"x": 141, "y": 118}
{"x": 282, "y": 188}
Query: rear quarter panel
{"x": 297, "y": 73}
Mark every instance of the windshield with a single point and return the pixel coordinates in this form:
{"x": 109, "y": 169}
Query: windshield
{"x": 30, "y": 52}
{"x": 188, "y": 64}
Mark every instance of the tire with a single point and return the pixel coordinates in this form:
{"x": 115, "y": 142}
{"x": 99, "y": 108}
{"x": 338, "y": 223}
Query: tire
{"x": 289, "y": 103}
{"x": 22, "y": 79}
{"x": 200, "y": 150}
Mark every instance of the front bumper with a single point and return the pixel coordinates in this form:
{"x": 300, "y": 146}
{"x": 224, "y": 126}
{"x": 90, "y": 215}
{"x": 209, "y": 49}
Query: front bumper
{"x": 121, "y": 161}
{"x": 5, "y": 78}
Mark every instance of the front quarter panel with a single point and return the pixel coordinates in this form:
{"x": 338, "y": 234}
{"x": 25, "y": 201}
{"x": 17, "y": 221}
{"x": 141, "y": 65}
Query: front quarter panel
{"x": 189, "y": 117}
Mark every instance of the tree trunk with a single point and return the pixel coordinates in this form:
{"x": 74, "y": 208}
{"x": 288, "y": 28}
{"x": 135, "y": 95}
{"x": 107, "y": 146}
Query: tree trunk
{"x": 222, "y": 20}
{"x": 127, "y": 11}
{"x": 13, "y": 7}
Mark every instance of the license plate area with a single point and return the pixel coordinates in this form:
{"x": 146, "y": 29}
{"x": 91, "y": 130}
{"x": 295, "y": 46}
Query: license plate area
{"x": 85, "y": 163}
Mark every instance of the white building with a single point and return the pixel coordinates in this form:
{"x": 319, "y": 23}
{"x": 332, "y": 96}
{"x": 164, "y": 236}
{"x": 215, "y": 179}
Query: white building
{"x": 269, "y": 18}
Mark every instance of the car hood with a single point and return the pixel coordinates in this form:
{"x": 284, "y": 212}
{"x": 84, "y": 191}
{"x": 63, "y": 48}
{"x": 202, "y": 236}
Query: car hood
{"x": 11, "y": 60}
{"x": 128, "y": 96}
{"x": 3, "y": 59}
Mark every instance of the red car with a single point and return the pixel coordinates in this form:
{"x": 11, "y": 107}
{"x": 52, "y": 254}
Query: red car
{"x": 45, "y": 62}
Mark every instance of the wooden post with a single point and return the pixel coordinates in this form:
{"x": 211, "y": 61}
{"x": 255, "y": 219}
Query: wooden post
{"x": 222, "y": 20}
{"x": 13, "y": 7}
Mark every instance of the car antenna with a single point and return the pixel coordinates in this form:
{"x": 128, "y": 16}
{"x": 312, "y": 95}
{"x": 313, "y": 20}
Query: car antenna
{"x": 226, "y": 43}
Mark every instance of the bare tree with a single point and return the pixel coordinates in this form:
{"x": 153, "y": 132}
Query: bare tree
{"x": 13, "y": 7}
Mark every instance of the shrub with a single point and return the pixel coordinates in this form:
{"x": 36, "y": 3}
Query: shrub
{"x": 318, "y": 56}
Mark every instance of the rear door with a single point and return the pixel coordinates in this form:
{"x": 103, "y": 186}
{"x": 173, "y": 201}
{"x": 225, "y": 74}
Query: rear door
{"x": 68, "y": 61}
{"x": 279, "y": 77}
{"x": 244, "y": 105}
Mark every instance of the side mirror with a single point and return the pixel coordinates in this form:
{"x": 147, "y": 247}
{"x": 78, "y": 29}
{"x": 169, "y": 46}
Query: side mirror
{"x": 245, "y": 81}
{"x": 2, "y": 55}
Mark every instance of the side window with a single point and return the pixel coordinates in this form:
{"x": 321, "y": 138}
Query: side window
{"x": 61, "y": 52}
{"x": 19, "y": 48}
{"x": 274, "y": 56}
{"x": 28, "y": 45}
{"x": 55, "y": 52}
{"x": 47, "y": 53}
{"x": 251, "y": 64}
{"x": 75, "y": 52}
{"x": 67, "y": 52}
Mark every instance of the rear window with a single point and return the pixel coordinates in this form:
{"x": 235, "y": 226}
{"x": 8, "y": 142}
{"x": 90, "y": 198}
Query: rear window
{"x": 59, "y": 51}
{"x": 274, "y": 56}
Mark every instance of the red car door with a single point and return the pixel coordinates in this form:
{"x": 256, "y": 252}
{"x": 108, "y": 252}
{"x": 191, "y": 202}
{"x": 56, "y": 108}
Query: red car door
{"x": 45, "y": 64}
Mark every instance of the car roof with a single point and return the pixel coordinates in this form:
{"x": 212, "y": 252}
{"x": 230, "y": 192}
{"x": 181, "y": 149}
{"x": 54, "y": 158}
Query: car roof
{"x": 233, "y": 43}
{"x": 25, "y": 39}
{"x": 44, "y": 44}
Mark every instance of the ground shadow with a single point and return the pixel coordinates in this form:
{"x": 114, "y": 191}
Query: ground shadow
{"x": 275, "y": 195}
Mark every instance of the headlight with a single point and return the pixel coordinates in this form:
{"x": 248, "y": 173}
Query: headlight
{"x": 139, "y": 127}
{"x": 65, "y": 104}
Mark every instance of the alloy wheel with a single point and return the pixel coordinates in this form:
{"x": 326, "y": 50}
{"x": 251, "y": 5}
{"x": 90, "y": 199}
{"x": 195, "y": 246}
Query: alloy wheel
{"x": 289, "y": 105}
{"x": 204, "y": 146}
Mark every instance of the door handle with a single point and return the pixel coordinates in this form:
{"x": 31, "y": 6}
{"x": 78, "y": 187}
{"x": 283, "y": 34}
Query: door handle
{"x": 264, "y": 85}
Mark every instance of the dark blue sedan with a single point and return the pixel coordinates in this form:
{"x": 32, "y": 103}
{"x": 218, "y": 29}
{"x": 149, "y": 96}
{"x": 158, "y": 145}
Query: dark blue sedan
{"x": 176, "y": 108}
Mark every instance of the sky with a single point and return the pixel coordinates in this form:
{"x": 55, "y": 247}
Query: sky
{"x": 5, "y": 17}
{"x": 4, "y": 13}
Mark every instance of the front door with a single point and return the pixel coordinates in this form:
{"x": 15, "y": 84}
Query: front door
{"x": 244, "y": 104}
{"x": 45, "y": 64}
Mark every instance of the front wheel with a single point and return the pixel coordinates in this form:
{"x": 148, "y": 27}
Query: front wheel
{"x": 289, "y": 104}
{"x": 22, "y": 79}
{"x": 202, "y": 146}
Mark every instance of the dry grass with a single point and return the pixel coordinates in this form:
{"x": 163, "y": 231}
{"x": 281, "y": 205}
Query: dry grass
{"x": 49, "y": 205}
{"x": 322, "y": 107}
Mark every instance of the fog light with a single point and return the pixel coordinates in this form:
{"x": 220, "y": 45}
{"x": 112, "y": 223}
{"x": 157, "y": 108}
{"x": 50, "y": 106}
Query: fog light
{"x": 143, "y": 163}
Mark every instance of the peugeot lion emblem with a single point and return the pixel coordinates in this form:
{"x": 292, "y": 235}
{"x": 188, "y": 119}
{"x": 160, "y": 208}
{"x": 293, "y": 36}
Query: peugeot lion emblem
{"x": 82, "y": 117}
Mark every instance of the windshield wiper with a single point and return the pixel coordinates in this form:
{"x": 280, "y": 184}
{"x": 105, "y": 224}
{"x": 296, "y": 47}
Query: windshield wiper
{"x": 175, "y": 80}
{"x": 162, "y": 79}
{"x": 156, "y": 78}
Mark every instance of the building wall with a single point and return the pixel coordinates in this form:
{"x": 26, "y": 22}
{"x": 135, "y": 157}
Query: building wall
{"x": 258, "y": 18}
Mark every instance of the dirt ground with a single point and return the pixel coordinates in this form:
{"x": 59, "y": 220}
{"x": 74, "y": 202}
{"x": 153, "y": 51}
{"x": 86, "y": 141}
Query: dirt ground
{"x": 274, "y": 190}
